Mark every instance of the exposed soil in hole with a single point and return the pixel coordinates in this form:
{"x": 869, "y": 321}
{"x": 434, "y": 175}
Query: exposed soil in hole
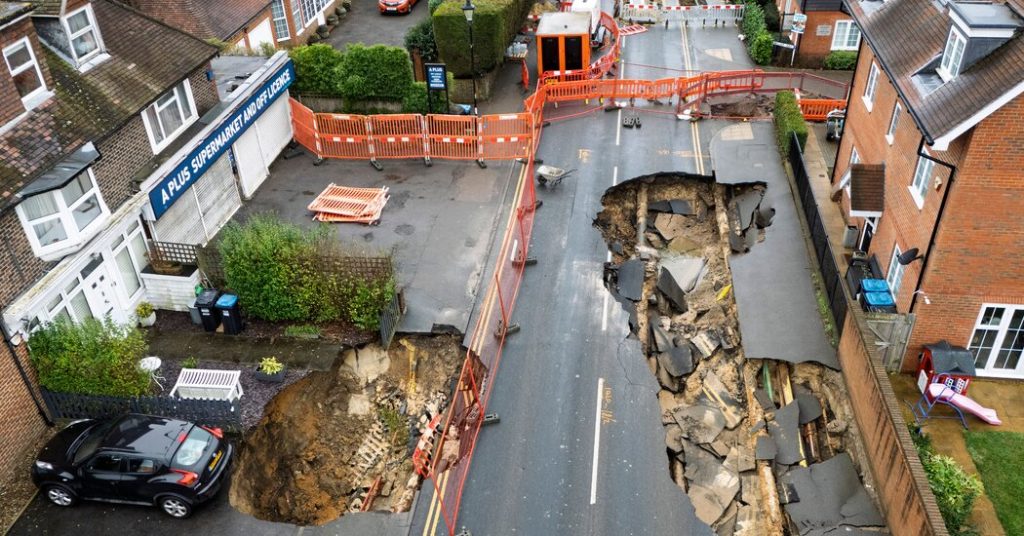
{"x": 715, "y": 403}
{"x": 743, "y": 106}
{"x": 326, "y": 440}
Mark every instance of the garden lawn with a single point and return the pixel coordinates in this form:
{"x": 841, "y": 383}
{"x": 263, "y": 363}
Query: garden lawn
{"x": 998, "y": 457}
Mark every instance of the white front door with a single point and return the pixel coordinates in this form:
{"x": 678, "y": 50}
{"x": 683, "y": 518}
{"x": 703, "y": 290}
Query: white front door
{"x": 99, "y": 291}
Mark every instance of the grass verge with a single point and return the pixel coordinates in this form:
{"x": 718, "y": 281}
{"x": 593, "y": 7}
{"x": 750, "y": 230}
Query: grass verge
{"x": 997, "y": 455}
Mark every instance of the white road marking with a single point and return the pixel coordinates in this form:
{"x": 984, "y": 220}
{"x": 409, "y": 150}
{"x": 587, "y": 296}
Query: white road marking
{"x": 597, "y": 441}
{"x": 615, "y": 175}
{"x": 604, "y": 315}
{"x": 618, "y": 127}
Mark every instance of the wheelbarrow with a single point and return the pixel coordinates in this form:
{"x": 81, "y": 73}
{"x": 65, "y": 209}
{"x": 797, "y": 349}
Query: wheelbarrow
{"x": 834, "y": 123}
{"x": 550, "y": 175}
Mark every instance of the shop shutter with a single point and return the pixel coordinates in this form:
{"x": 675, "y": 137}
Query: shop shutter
{"x": 181, "y": 223}
{"x": 218, "y": 195}
{"x": 275, "y": 129}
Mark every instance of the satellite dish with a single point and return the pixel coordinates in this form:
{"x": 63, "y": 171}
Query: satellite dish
{"x": 908, "y": 256}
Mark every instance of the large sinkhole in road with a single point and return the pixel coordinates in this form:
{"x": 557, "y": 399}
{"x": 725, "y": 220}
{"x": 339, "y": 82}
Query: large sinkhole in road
{"x": 671, "y": 236}
{"x": 325, "y": 440}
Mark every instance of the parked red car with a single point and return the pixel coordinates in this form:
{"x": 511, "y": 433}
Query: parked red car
{"x": 395, "y": 6}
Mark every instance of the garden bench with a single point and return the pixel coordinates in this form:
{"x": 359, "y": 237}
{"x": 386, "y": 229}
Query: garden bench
{"x": 207, "y": 384}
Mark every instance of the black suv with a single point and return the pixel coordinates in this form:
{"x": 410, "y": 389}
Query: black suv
{"x": 134, "y": 459}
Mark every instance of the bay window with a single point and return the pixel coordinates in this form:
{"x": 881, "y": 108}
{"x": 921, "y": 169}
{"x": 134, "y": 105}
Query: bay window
{"x": 61, "y": 220}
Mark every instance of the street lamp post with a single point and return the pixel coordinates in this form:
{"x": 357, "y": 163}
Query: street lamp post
{"x": 467, "y": 9}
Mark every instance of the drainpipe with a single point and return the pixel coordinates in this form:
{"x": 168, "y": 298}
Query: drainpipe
{"x": 938, "y": 219}
{"x": 24, "y": 376}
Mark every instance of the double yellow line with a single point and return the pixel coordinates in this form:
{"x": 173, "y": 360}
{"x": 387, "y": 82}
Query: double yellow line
{"x": 694, "y": 130}
{"x": 436, "y": 510}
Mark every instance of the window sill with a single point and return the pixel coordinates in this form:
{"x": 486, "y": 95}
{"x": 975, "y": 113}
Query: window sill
{"x": 92, "y": 62}
{"x": 844, "y": 49}
{"x": 889, "y": 138}
{"x": 169, "y": 140}
{"x": 918, "y": 200}
{"x": 56, "y": 252}
{"x": 868, "y": 103}
{"x": 34, "y": 100}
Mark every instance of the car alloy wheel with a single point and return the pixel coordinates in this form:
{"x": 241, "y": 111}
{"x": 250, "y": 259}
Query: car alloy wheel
{"x": 60, "y": 496}
{"x": 175, "y": 507}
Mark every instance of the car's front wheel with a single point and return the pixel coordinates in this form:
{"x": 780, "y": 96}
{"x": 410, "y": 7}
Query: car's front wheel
{"x": 175, "y": 507}
{"x": 60, "y": 496}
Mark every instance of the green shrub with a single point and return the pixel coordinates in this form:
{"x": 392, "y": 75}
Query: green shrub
{"x": 841, "y": 60}
{"x": 788, "y": 120}
{"x": 190, "y": 362}
{"x": 317, "y": 69}
{"x": 375, "y": 72}
{"x": 955, "y": 490}
{"x": 434, "y": 4}
{"x": 421, "y": 37}
{"x": 366, "y": 300}
{"x": 753, "y": 20}
{"x": 491, "y": 24}
{"x": 270, "y": 365}
{"x": 772, "y": 17}
{"x": 761, "y": 47}
{"x": 93, "y": 357}
{"x": 415, "y": 101}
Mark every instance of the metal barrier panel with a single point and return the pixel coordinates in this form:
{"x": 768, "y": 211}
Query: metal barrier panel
{"x": 304, "y": 126}
{"x": 397, "y": 136}
{"x": 343, "y": 136}
{"x": 640, "y": 12}
{"x": 452, "y": 136}
{"x": 508, "y": 136}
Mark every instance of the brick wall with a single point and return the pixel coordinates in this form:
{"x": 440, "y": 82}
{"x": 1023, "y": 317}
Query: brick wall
{"x": 19, "y": 267}
{"x": 814, "y": 47}
{"x": 980, "y": 239}
{"x": 22, "y": 422}
{"x": 300, "y": 34}
{"x": 10, "y": 100}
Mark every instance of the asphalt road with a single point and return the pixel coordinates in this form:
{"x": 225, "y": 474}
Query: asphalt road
{"x": 365, "y": 24}
{"x": 580, "y": 447}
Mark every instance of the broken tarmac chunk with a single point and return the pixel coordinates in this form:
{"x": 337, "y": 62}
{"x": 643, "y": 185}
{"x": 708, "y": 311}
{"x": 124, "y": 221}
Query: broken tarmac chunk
{"x": 682, "y": 207}
{"x": 673, "y": 437}
{"x": 713, "y": 486}
{"x": 831, "y": 495}
{"x": 706, "y": 342}
{"x": 685, "y": 246}
{"x": 716, "y": 391}
{"x": 684, "y": 271}
{"x": 746, "y": 205}
{"x": 700, "y": 424}
{"x": 670, "y": 225}
{"x": 785, "y": 431}
{"x": 662, "y": 338}
{"x": 737, "y": 244}
{"x": 766, "y": 449}
{"x": 810, "y": 407}
{"x": 677, "y": 361}
{"x": 631, "y": 279}
{"x": 764, "y": 216}
{"x": 766, "y": 402}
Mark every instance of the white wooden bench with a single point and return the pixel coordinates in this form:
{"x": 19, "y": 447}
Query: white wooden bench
{"x": 208, "y": 384}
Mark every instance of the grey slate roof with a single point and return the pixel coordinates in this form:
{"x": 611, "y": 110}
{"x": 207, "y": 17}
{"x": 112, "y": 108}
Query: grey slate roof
{"x": 91, "y": 106}
{"x": 906, "y": 35}
{"x": 11, "y": 10}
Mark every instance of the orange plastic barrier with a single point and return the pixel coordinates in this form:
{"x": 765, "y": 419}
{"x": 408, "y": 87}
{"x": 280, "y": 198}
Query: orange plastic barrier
{"x": 818, "y": 109}
{"x": 504, "y": 137}
{"x": 397, "y": 136}
{"x": 304, "y": 126}
{"x": 343, "y": 136}
{"x": 453, "y": 137}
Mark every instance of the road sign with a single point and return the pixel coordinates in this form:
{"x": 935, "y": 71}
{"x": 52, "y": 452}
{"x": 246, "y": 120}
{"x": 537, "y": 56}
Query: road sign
{"x": 437, "y": 76}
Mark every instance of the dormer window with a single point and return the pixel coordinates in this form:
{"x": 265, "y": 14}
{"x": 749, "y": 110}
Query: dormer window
{"x": 84, "y": 34}
{"x": 28, "y": 78}
{"x": 952, "y": 56}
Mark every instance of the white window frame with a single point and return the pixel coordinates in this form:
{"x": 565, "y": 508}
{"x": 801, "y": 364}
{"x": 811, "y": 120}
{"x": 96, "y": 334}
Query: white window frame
{"x": 894, "y": 122}
{"x": 870, "y": 87}
{"x": 122, "y": 243}
{"x": 923, "y": 173}
{"x": 949, "y": 70}
{"x": 894, "y": 277}
{"x": 311, "y": 10}
{"x": 844, "y": 183}
{"x": 92, "y": 27}
{"x": 297, "y": 21}
{"x": 65, "y": 213}
{"x": 283, "y": 19}
{"x": 840, "y": 37}
{"x": 38, "y": 95}
{"x": 1001, "y": 329}
{"x": 190, "y": 118}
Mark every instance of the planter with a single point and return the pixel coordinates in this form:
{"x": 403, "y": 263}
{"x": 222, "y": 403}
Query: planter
{"x": 148, "y": 321}
{"x": 271, "y": 378}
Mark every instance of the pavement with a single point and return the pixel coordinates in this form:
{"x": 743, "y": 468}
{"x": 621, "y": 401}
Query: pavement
{"x": 365, "y": 24}
{"x": 439, "y": 223}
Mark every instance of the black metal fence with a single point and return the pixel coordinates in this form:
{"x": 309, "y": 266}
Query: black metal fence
{"x": 832, "y": 280}
{"x": 221, "y": 413}
{"x": 390, "y": 316}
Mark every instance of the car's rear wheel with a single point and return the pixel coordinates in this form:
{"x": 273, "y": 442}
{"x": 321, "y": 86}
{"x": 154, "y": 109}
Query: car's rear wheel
{"x": 175, "y": 507}
{"x": 60, "y": 496}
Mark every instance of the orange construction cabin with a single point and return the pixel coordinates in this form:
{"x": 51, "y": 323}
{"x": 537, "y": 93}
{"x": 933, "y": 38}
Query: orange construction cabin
{"x": 563, "y": 42}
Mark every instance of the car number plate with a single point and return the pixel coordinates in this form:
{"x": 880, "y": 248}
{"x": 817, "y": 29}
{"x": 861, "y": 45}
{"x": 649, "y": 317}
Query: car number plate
{"x": 216, "y": 459}
{"x": 392, "y": 9}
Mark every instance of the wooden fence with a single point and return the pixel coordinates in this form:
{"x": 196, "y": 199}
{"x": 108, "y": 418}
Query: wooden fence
{"x": 221, "y": 413}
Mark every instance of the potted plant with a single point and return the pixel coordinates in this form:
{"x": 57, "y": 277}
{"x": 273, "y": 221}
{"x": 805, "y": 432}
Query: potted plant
{"x": 146, "y": 314}
{"x": 270, "y": 370}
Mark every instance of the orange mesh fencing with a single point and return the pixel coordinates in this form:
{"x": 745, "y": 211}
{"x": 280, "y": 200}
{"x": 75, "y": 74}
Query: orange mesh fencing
{"x": 343, "y": 136}
{"x": 452, "y": 136}
{"x": 397, "y": 136}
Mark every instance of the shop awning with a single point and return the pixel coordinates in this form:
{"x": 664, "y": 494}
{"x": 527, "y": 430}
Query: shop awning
{"x": 63, "y": 171}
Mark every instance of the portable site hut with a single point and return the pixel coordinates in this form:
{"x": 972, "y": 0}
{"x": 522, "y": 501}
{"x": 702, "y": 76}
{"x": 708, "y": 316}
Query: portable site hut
{"x": 563, "y": 42}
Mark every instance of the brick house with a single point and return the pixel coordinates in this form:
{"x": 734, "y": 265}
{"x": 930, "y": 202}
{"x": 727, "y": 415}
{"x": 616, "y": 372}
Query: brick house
{"x": 242, "y": 23}
{"x": 941, "y": 112}
{"x": 96, "y": 121}
{"x": 295, "y": 20}
{"x": 829, "y": 27}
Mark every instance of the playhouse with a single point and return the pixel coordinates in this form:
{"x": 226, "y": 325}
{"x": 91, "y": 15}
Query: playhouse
{"x": 954, "y": 362}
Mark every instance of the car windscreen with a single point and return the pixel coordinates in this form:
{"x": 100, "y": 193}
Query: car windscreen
{"x": 194, "y": 450}
{"x": 90, "y": 441}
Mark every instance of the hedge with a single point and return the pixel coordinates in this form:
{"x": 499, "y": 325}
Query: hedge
{"x": 415, "y": 101}
{"x": 759, "y": 40}
{"x": 93, "y": 357}
{"x": 955, "y": 489}
{"x": 317, "y": 68}
{"x": 761, "y": 48}
{"x": 788, "y": 120}
{"x": 495, "y": 23}
{"x": 841, "y": 60}
{"x": 421, "y": 38}
{"x": 375, "y": 72}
